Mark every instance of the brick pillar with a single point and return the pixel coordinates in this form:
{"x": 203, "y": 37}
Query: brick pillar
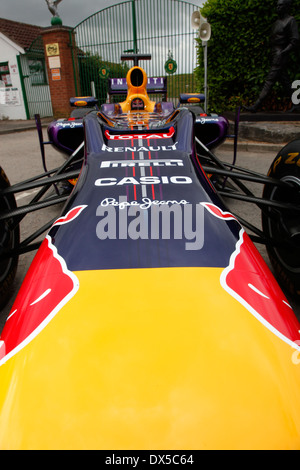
{"x": 58, "y": 41}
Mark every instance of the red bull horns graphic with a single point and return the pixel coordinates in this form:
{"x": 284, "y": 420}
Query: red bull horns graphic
{"x": 54, "y": 284}
{"x": 61, "y": 285}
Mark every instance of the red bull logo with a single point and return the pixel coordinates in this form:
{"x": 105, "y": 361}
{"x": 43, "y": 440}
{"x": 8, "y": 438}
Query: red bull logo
{"x": 249, "y": 281}
{"x": 47, "y": 287}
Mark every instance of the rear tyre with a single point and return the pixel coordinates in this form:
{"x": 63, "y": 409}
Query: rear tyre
{"x": 282, "y": 226}
{"x": 9, "y": 240}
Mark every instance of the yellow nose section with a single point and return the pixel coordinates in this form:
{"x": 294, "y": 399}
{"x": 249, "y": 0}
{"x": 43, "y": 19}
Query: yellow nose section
{"x": 151, "y": 359}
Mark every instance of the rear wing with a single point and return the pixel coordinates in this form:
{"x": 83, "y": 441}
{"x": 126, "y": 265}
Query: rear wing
{"x": 155, "y": 85}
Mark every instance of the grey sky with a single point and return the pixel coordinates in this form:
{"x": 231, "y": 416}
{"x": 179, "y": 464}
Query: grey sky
{"x": 71, "y": 12}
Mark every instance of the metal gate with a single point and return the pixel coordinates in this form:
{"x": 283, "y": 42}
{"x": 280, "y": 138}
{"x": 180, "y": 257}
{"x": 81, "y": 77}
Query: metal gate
{"x": 161, "y": 28}
{"x": 34, "y": 81}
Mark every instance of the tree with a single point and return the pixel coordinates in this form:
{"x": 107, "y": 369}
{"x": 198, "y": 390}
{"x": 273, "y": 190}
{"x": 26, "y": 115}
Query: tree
{"x": 239, "y": 52}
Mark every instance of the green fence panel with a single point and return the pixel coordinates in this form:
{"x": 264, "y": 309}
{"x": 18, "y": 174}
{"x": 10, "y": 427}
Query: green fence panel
{"x": 161, "y": 28}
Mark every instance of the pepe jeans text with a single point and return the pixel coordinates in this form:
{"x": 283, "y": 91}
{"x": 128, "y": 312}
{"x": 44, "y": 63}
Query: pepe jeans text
{"x": 151, "y": 219}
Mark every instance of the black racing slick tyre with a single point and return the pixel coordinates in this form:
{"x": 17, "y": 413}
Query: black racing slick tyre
{"x": 9, "y": 240}
{"x": 281, "y": 225}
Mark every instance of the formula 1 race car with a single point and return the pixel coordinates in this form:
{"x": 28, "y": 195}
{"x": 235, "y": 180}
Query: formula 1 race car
{"x": 148, "y": 319}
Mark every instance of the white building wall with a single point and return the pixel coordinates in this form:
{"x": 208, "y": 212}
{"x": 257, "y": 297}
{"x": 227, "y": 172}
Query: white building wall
{"x": 11, "y": 98}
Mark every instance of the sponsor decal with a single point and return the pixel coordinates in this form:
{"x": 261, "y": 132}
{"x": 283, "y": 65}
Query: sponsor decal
{"x": 140, "y": 163}
{"x": 68, "y": 124}
{"x": 151, "y": 148}
{"x": 205, "y": 120}
{"x": 130, "y": 180}
{"x": 166, "y": 135}
{"x": 122, "y": 82}
{"x": 145, "y": 204}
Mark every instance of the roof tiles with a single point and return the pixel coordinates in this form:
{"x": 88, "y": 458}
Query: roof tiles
{"x": 22, "y": 34}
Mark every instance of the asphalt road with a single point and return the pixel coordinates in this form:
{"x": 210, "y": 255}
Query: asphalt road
{"x": 20, "y": 158}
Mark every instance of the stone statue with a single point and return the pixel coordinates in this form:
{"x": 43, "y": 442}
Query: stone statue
{"x": 284, "y": 38}
{"x": 52, "y": 6}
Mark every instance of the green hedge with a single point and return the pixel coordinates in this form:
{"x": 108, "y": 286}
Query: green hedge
{"x": 239, "y": 52}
